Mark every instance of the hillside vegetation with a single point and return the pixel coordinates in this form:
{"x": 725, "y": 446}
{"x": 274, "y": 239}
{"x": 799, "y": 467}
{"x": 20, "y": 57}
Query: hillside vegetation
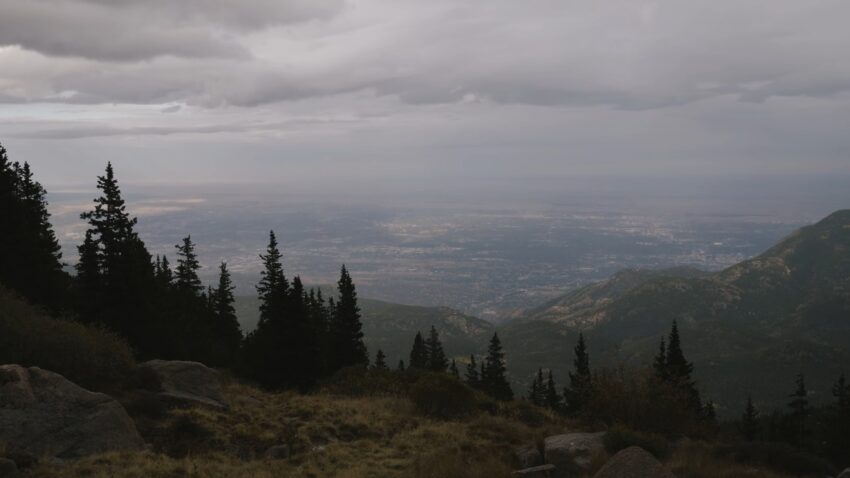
{"x": 749, "y": 328}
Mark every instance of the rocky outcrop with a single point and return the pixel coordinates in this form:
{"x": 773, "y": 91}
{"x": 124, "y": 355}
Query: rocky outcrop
{"x": 572, "y": 453}
{"x": 187, "y": 383}
{"x": 542, "y": 471}
{"x": 45, "y": 414}
{"x": 633, "y": 462}
{"x": 527, "y": 456}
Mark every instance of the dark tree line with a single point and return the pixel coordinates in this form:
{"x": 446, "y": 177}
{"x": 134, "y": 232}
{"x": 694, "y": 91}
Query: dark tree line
{"x": 164, "y": 310}
{"x": 30, "y": 260}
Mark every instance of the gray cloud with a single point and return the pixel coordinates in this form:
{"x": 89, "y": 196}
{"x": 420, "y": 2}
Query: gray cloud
{"x": 436, "y": 87}
{"x": 127, "y": 31}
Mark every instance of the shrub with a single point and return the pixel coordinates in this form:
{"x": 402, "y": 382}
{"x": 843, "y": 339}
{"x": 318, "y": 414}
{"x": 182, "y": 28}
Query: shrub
{"x": 441, "y": 396}
{"x": 780, "y": 457}
{"x": 636, "y": 399}
{"x": 363, "y": 382}
{"x": 618, "y": 438}
{"x": 88, "y": 356}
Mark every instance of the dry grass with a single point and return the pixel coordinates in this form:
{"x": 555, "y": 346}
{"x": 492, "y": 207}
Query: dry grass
{"x": 698, "y": 460}
{"x": 331, "y": 436}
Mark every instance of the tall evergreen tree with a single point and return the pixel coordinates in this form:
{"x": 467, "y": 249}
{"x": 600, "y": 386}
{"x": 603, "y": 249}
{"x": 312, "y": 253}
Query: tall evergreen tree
{"x": 677, "y": 370}
{"x": 30, "y": 257}
{"x": 380, "y": 360}
{"x": 346, "y": 327}
{"x": 749, "y": 426}
{"x": 400, "y": 366}
{"x": 494, "y": 377}
{"x": 436, "y": 357}
{"x": 186, "y": 274}
{"x": 579, "y": 391}
{"x": 126, "y": 272}
{"x": 536, "y": 392}
{"x": 226, "y": 328}
{"x": 273, "y": 286}
{"x": 473, "y": 379}
{"x": 453, "y": 369}
{"x": 659, "y": 364}
{"x": 800, "y": 411}
{"x": 553, "y": 401}
{"x": 839, "y": 424}
{"x": 419, "y": 353}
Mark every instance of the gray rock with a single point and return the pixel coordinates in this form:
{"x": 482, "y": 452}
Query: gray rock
{"x": 542, "y": 471}
{"x": 844, "y": 474}
{"x": 633, "y": 462}
{"x": 187, "y": 382}
{"x": 277, "y": 452}
{"x": 572, "y": 453}
{"x": 527, "y": 456}
{"x": 8, "y": 468}
{"x": 44, "y": 414}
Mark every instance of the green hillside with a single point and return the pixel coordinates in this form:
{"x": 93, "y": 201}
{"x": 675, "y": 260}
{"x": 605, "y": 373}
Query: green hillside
{"x": 749, "y": 328}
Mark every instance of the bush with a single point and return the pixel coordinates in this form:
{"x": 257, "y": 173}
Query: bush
{"x": 780, "y": 457}
{"x": 185, "y": 436}
{"x": 618, "y": 438}
{"x": 442, "y": 396}
{"x": 88, "y": 356}
{"x": 636, "y": 399}
{"x": 363, "y": 382}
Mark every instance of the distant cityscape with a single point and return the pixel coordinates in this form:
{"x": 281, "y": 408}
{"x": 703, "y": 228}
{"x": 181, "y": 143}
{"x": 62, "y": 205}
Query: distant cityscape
{"x": 490, "y": 261}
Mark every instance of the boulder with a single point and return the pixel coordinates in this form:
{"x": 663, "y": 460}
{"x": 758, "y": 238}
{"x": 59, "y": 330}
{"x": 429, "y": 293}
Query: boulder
{"x": 8, "y": 468}
{"x": 633, "y": 462}
{"x": 44, "y": 414}
{"x": 527, "y": 456}
{"x": 542, "y": 471}
{"x": 187, "y": 383}
{"x": 844, "y": 474}
{"x": 572, "y": 453}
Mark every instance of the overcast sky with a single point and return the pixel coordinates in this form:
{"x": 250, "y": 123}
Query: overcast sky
{"x": 320, "y": 90}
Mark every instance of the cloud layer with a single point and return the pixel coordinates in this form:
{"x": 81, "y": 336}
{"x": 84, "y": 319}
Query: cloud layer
{"x": 675, "y": 71}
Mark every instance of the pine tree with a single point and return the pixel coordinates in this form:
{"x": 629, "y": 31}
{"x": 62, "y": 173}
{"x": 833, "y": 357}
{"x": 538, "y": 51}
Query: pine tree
{"x": 838, "y": 438}
{"x": 578, "y": 393}
{"x": 273, "y": 286}
{"x": 494, "y": 377}
{"x": 186, "y": 275}
{"x": 88, "y": 282}
{"x": 453, "y": 369}
{"x": 677, "y": 370}
{"x": 536, "y": 393}
{"x": 401, "y": 366}
{"x": 659, "y": 364}
{"x": 799, "y": 406}
{"x": 226, "y": 328}
{"x": 346, "y": 327}
{"x": 473, "y": 379}
{"x": 30, "y": 257}
{"x": 380, "y": 360}
{"x": 126, "y": 273}
{"x": 419, "y": 353}
{"x": 552, "y": 399}
{"x": 436, "y": 357}
{"x": 749, "y": 426}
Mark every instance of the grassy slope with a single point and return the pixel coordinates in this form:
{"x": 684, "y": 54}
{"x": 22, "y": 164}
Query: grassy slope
{"x": 345, "y": 437}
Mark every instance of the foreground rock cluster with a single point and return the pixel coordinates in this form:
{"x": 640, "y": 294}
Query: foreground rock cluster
{"x": 573, "y": 454}
{"x": 45, "y": 416}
